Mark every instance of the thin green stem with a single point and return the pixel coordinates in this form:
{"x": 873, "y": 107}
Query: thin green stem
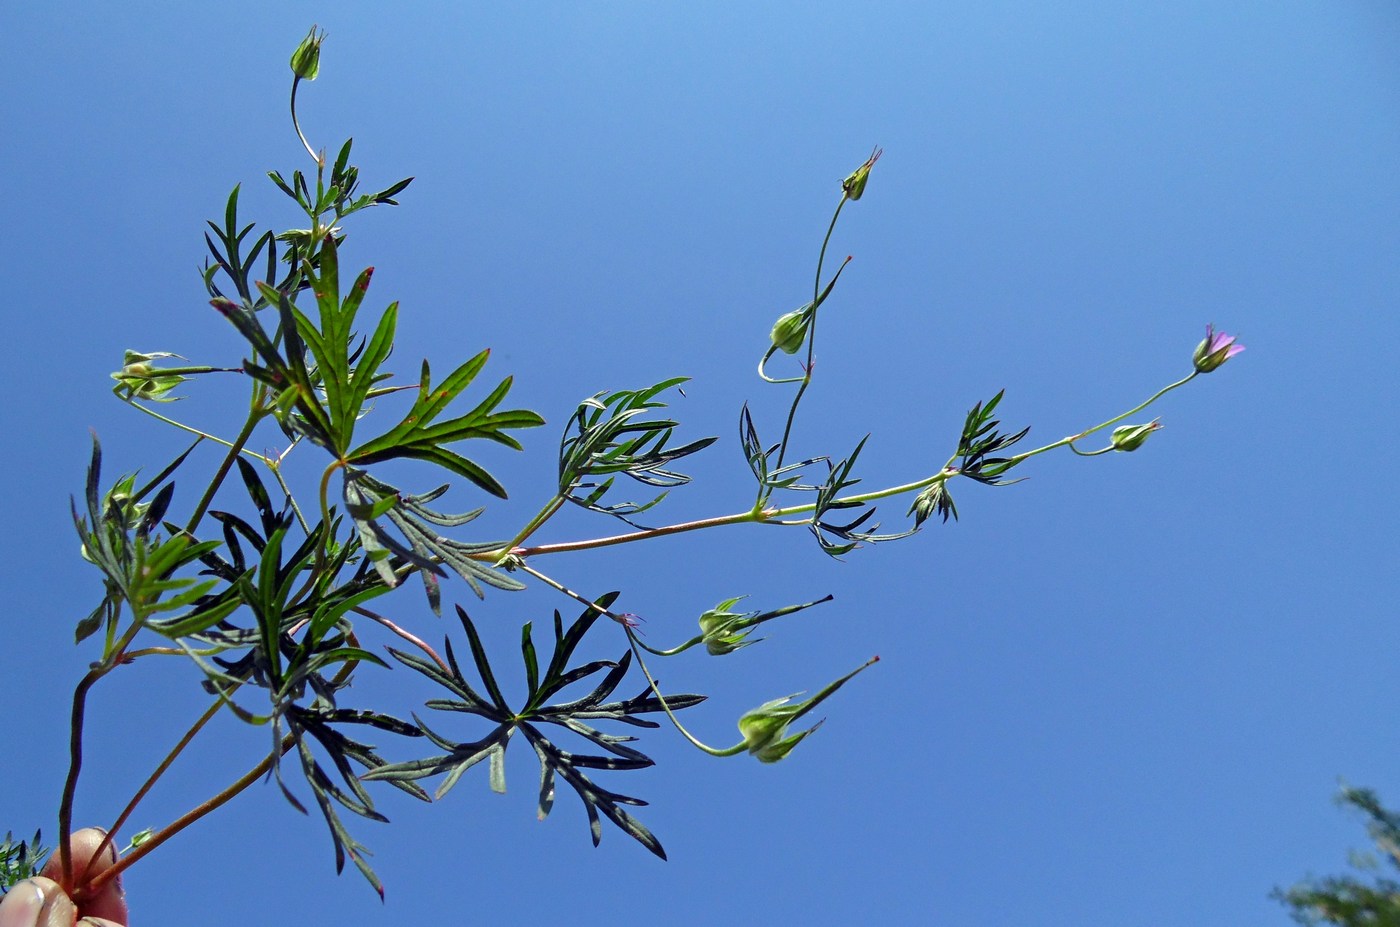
{"x": 1113, "y": 421}
{"x": 821, "y": 257}
{"x": 275, "y": 465}
{"x": 195, "y": 431}
{"x": 533, "y": 525}
{"x": 322, "y": 548}
{"x": 656, "y": 690}
{"x": 406, "y": 635}
{"x": 235, "y": 448}
{"x": 648, "y": 534}
{"x": 765, "y": 516}
{"x": 577, "y": 597}
{"x": 326, "y": 487}
{"x": 763, "y": 361}
{"x": 296, "y": 82}
{"x": 673, "y": 651}
{"x": 818, "y": 297}
{"x": 171, "y": 652}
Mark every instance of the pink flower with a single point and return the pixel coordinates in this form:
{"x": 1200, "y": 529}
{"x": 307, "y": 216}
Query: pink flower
{"x": 1215, "y": 350}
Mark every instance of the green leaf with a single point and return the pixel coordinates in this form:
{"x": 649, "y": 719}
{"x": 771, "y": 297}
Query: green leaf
{"x": 417, "y": 438}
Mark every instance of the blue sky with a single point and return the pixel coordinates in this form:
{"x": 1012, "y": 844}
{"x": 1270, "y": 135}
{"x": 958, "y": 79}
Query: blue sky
{"x": 1122, "y": 692}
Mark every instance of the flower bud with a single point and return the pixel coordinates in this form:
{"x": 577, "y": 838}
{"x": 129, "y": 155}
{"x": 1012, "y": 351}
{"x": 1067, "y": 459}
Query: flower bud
{"x": 790, "y": 331}
{"x": 1215, "y": 350}
{"x": 721, "y": 630}
{"x": 306, "y": 60}
{"x": 1131, "y": 437}
{"x": 854, "y": 185}
{"x": 139, "y": 379}
{"x": 765, "y": 728}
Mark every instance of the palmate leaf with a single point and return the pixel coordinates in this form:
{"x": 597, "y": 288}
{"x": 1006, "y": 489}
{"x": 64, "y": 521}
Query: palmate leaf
{"x": 317, "y": 725}
{"x": 332, "y": 342}
{"x": 835, "y": 538}
{"x": 556, "y": 763}
{"x": 609, "y": 434}
{"x": 338, "y": 195}
{"x": 238, "y": 269}
{"x": 417, "y": 437}
{"x": 980, "y": 438}
{"x": 370, "y": 501}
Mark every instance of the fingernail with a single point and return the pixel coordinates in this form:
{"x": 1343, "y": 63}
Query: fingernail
{"x": 21, "y": 905}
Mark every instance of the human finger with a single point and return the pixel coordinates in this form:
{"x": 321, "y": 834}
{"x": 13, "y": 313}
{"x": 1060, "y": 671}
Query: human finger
{"x": 37, "y": 902}
{"x": 109, "y": 901}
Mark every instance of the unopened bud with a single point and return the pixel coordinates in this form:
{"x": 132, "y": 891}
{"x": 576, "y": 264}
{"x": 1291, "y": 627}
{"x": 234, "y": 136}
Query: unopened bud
{"x": 306, "y": 60}
{"x": 1131, "y": 437}
{"x": 721, "y": 629}
{"x": 790, "y": 331}
{"x": 764, "y": 729}
{"x": 854, "y": 185}
{"x": 140, "y": 379}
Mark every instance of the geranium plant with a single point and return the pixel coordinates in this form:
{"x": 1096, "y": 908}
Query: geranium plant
{"x": 281, "y": 599}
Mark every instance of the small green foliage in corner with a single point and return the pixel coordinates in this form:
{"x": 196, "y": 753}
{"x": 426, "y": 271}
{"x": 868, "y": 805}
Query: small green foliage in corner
{"x": 1369, "y": 898}
{"x": 20, "y": 859}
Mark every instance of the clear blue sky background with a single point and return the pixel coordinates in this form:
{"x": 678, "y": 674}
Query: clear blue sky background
{"x": 1120, "y": 693}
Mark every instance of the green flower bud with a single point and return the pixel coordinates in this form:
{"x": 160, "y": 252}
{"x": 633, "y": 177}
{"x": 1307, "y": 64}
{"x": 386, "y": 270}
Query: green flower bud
{"x": 721, "y": 629}
{"x": 790, "y": 331}
{"x": 306, "y": 60}
{"x": 139, "y": 379}
{"x": 1131, "y": 437}
{"x": 854, "y": 185}
{"x": 765, "y": 728}
{"x": 935, "y": 500}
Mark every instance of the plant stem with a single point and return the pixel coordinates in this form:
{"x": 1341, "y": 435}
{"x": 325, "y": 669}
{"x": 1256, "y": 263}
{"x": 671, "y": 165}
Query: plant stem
{"x": 821, "y": 257}
{"x": 255, "y": 415}
{"x": 632, "y": 642}
{"x": 712, "y": 751}
{"x": 195, "y": 431}
{"x": 188, "y": 818}
{"x": 70, "y": 785}
{"x": 576, "y": 596}
{"x": 275, "y": 465}
{"x": 1113, "y": 421}
{"x": 771, "y": 515}
{"x": 157, "y": 773}
{"x": 200, "y": 810}
{"x": 817, "y": 300}
{"x": 534, "y": 524}
{"x": 296, "y": 82}
{"x": 113, "y": 657}
{"x": 406, "y": 635}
